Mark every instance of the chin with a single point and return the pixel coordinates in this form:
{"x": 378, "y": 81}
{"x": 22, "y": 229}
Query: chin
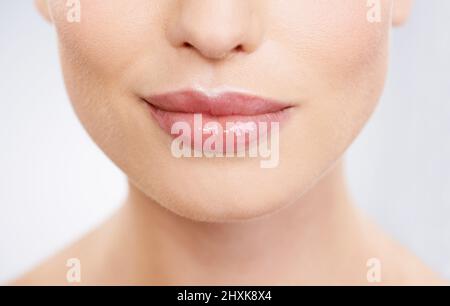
{"x": 237, "y": 206}
{"x": 222, "y": 192}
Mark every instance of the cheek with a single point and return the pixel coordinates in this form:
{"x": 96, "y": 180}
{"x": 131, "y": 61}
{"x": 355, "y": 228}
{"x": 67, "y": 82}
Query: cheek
{"x": 332, "y": 38}
{"x": 341, "y": 63}
{"x": 350, "y": 59}
{"x": 111, "y": 34}
{"x": 96, "y": 54}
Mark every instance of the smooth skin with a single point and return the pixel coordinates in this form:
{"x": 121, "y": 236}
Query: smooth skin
{"x": 227, "y": 221}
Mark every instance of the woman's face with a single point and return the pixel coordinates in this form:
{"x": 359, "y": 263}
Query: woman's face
{"x": 325, "y": 58}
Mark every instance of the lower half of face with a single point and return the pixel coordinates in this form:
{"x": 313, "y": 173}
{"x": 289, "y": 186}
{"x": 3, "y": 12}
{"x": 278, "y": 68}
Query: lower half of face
{"x": 325, "y": 59}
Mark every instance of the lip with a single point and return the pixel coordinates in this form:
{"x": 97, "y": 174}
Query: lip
{"x": 215, "y": 105}
{"x": 234, "y": 111}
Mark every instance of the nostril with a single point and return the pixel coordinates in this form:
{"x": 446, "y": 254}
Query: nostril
{"x": 239, "y": 48}
{"x": 211, "y": 52}
{"x": 188, "y": 45}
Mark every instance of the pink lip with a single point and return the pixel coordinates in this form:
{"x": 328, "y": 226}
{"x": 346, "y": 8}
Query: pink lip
{"x": 224, "y": 108}
{"x": 220, "y": 105}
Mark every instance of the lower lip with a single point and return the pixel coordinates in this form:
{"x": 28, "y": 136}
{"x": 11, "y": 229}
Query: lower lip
{"x": 231, "y": 125}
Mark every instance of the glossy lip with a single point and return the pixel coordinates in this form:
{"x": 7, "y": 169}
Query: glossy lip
{"x": 222, "y": 107}
{"x": 216, "y": 105}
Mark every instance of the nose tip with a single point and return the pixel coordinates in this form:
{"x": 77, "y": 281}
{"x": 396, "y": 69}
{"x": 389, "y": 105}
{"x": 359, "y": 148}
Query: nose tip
{"x": 215, "y": 29}
{"x": 214, "y": 45}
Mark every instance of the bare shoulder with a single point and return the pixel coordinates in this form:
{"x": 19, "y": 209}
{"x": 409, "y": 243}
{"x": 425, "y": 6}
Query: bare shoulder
{"x": 410, "y": 270}
{"x": 52, "y": 272}
{"x": 400, "y": 266}
{"x": 65, "y": 268}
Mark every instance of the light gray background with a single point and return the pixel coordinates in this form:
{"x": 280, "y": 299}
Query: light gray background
{"x": 55, "y": 184}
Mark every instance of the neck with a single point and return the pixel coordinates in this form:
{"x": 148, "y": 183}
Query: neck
{"x": 306, "y": 242}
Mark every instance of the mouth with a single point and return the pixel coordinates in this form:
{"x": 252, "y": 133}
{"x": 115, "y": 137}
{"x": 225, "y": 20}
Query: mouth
{"x": 234, "y": 113}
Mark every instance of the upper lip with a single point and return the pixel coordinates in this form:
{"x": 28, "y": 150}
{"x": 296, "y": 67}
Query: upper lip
{"x": 217, "y": 104}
